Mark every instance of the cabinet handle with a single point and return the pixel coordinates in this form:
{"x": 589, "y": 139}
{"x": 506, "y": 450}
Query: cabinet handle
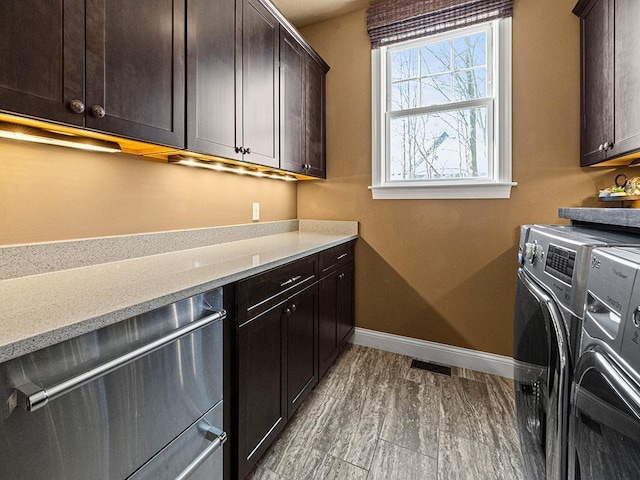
{"x": 76, "y": 106}
{"x": 340, "y": 257}
{"x": 287, "y": 282}
{"x": 98, "y": 111}
{"x": 296, "y": 278}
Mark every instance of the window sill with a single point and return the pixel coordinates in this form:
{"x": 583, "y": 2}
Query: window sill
{"x": 466, "y": 191}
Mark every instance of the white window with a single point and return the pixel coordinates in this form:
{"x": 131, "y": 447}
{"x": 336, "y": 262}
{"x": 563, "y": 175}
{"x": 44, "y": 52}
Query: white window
{"x": 442, "y": 115}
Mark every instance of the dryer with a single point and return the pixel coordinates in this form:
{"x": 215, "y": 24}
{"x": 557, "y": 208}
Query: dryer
{"x": 604, "y": 432}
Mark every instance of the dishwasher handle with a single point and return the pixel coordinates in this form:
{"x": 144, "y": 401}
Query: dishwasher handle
{"x": 217, "y": 437}
{"x": 31, "y": 397}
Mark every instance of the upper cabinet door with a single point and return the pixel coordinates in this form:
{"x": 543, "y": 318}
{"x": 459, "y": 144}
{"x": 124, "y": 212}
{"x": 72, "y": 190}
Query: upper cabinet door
{"x": 42, "y": 58}
{"x": 315, "y": 118}
{"x": 597, "y": 81}
{"x": 292, "y": 128}
{"x": 135, "y": 69}
{"x": 259, "y": 80}
{"x": 627, "y": 77}
{"x": 211, "y": 77}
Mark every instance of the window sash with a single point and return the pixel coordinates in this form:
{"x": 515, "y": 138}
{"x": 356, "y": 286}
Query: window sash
{"x": 488, "y": 103}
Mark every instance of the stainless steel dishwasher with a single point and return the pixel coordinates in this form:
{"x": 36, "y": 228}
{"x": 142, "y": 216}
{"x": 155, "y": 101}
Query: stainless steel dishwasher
{"x": 140, "y": 399}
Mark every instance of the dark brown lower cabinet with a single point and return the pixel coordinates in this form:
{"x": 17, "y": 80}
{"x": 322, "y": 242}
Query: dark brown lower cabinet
{"x": 335, "y": 315}
{"x": 302, "y": 350}
{"x": 261, "y": 383}
{"x": 290, "y": 328}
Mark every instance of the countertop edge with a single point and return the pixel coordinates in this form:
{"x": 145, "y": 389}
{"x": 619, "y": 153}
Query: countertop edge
{"x": 621, "y": 217}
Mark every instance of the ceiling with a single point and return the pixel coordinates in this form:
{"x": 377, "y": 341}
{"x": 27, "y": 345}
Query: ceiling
{"x": 306, "y": 12}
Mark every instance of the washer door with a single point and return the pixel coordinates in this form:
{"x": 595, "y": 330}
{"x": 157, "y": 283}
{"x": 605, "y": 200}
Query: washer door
{"x": 605, "y": 421}
{"x": 541, "y": 381}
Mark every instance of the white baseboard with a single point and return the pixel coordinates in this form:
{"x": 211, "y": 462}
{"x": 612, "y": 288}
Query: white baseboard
{"x": 435, "y": 352}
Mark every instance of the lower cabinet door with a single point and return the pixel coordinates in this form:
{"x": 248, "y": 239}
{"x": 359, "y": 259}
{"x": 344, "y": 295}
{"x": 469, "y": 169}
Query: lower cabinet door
{"x": 302, "y": 350}
{"x": 344, "y": 307}
{"x": 262, "y": 384}
{"x": 327, "y": 325}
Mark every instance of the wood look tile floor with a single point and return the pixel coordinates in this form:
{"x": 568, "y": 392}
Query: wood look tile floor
{"x": 374, "y": 417}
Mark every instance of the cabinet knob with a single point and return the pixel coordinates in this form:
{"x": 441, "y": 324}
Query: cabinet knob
{"x": 247, "y": 151}
{"x": 76, "y": 106}
{"x": 341, "y": 276}
{"x": 287, "y": 311}
{"x": 239, "y": 149}
{"x": 601, "y": 147}
{"x": 293, "y": 307}
{"x": 605, "y": 146}
{"x": 98, "y": 111}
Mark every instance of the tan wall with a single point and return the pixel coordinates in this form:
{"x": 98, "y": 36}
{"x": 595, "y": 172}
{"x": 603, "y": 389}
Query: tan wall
{"x": 52, "y": 193}
{"x": 443, "y": 270}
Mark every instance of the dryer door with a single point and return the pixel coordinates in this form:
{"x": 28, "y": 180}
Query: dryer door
{"x": 541, "y": 381}
{"x": 604, "y": 438}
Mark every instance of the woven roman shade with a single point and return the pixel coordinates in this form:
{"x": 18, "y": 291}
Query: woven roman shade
{"x": 393, "y": 21}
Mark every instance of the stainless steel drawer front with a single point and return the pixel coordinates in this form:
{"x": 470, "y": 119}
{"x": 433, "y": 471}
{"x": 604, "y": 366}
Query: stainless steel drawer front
{"x": 107, "y": 425}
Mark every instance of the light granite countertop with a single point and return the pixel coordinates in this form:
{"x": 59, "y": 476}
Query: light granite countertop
{"x": 42, "y": 309}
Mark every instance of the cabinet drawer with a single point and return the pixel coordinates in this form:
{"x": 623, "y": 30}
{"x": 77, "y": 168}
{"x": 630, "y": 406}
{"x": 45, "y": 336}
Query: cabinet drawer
{"x": 336, "y": 256}
{"x": 258, "y": 293}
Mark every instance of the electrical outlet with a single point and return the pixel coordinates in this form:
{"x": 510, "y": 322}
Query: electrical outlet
{"x": 256, "y": 211}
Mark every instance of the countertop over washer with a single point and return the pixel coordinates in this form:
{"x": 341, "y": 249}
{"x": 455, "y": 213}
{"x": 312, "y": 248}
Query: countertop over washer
{"x": 57, "y": 303}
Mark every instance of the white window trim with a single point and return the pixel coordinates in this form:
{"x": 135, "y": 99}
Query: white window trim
{"x": 497, "y": 187}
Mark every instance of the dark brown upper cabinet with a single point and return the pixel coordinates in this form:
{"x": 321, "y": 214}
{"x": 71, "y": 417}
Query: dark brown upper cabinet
{"x": 302, "y": 111}
{"x": 610, "y": 80}
{"x": 112, "y": 66}
{"x": 42, "y": 58}
{"x": 233, "y": 90}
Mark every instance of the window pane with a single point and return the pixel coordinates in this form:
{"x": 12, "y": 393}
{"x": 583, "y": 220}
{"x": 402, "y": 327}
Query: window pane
{"x": 436, "y": 58}
{"x": 404, "y": 64}
{"x": 470, "y": 84}
{"x": 405, "y": 95}
{"x": 470, "y": 51}
{"x": 436, "y": 90}
{"x": 444, "y": 145}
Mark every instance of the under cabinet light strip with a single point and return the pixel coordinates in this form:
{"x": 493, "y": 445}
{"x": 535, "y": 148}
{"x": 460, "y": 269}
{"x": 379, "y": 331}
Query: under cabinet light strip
{"x": 36, "y": 135}
{"x": 221, "y": 167}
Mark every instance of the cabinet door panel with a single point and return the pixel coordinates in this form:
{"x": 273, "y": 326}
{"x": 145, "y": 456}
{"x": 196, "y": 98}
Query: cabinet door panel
{"x": 211, "y": 77}
{"x": 292, "y": 130}
{"x": 314, "y": 116}
{"x": 262, "y": 394}
{"x": 597, "y": 81}
{"x": 260, "y": 41}
{"x": 302, "y": 357}
{"x": 627, "y": 77}
{"x": 345, "y": 318}
{"x": 135, "y": 68}
{"x": 327, "y": 322}
{"x": 42, "y": 58}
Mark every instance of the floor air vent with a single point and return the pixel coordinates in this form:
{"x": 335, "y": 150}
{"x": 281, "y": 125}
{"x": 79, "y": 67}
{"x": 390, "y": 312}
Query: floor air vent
{"x": 431, "y": 367}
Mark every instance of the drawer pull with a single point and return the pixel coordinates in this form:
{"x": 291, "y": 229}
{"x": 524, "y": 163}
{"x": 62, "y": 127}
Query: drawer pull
{"x": 217, "y": 438}
{"x": 291, "y": 280}
{"x": 340, "y": 257}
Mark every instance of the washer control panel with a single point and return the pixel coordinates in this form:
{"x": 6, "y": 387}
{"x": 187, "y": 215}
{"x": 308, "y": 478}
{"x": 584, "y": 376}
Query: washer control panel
{"x": 560, "y": 263}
